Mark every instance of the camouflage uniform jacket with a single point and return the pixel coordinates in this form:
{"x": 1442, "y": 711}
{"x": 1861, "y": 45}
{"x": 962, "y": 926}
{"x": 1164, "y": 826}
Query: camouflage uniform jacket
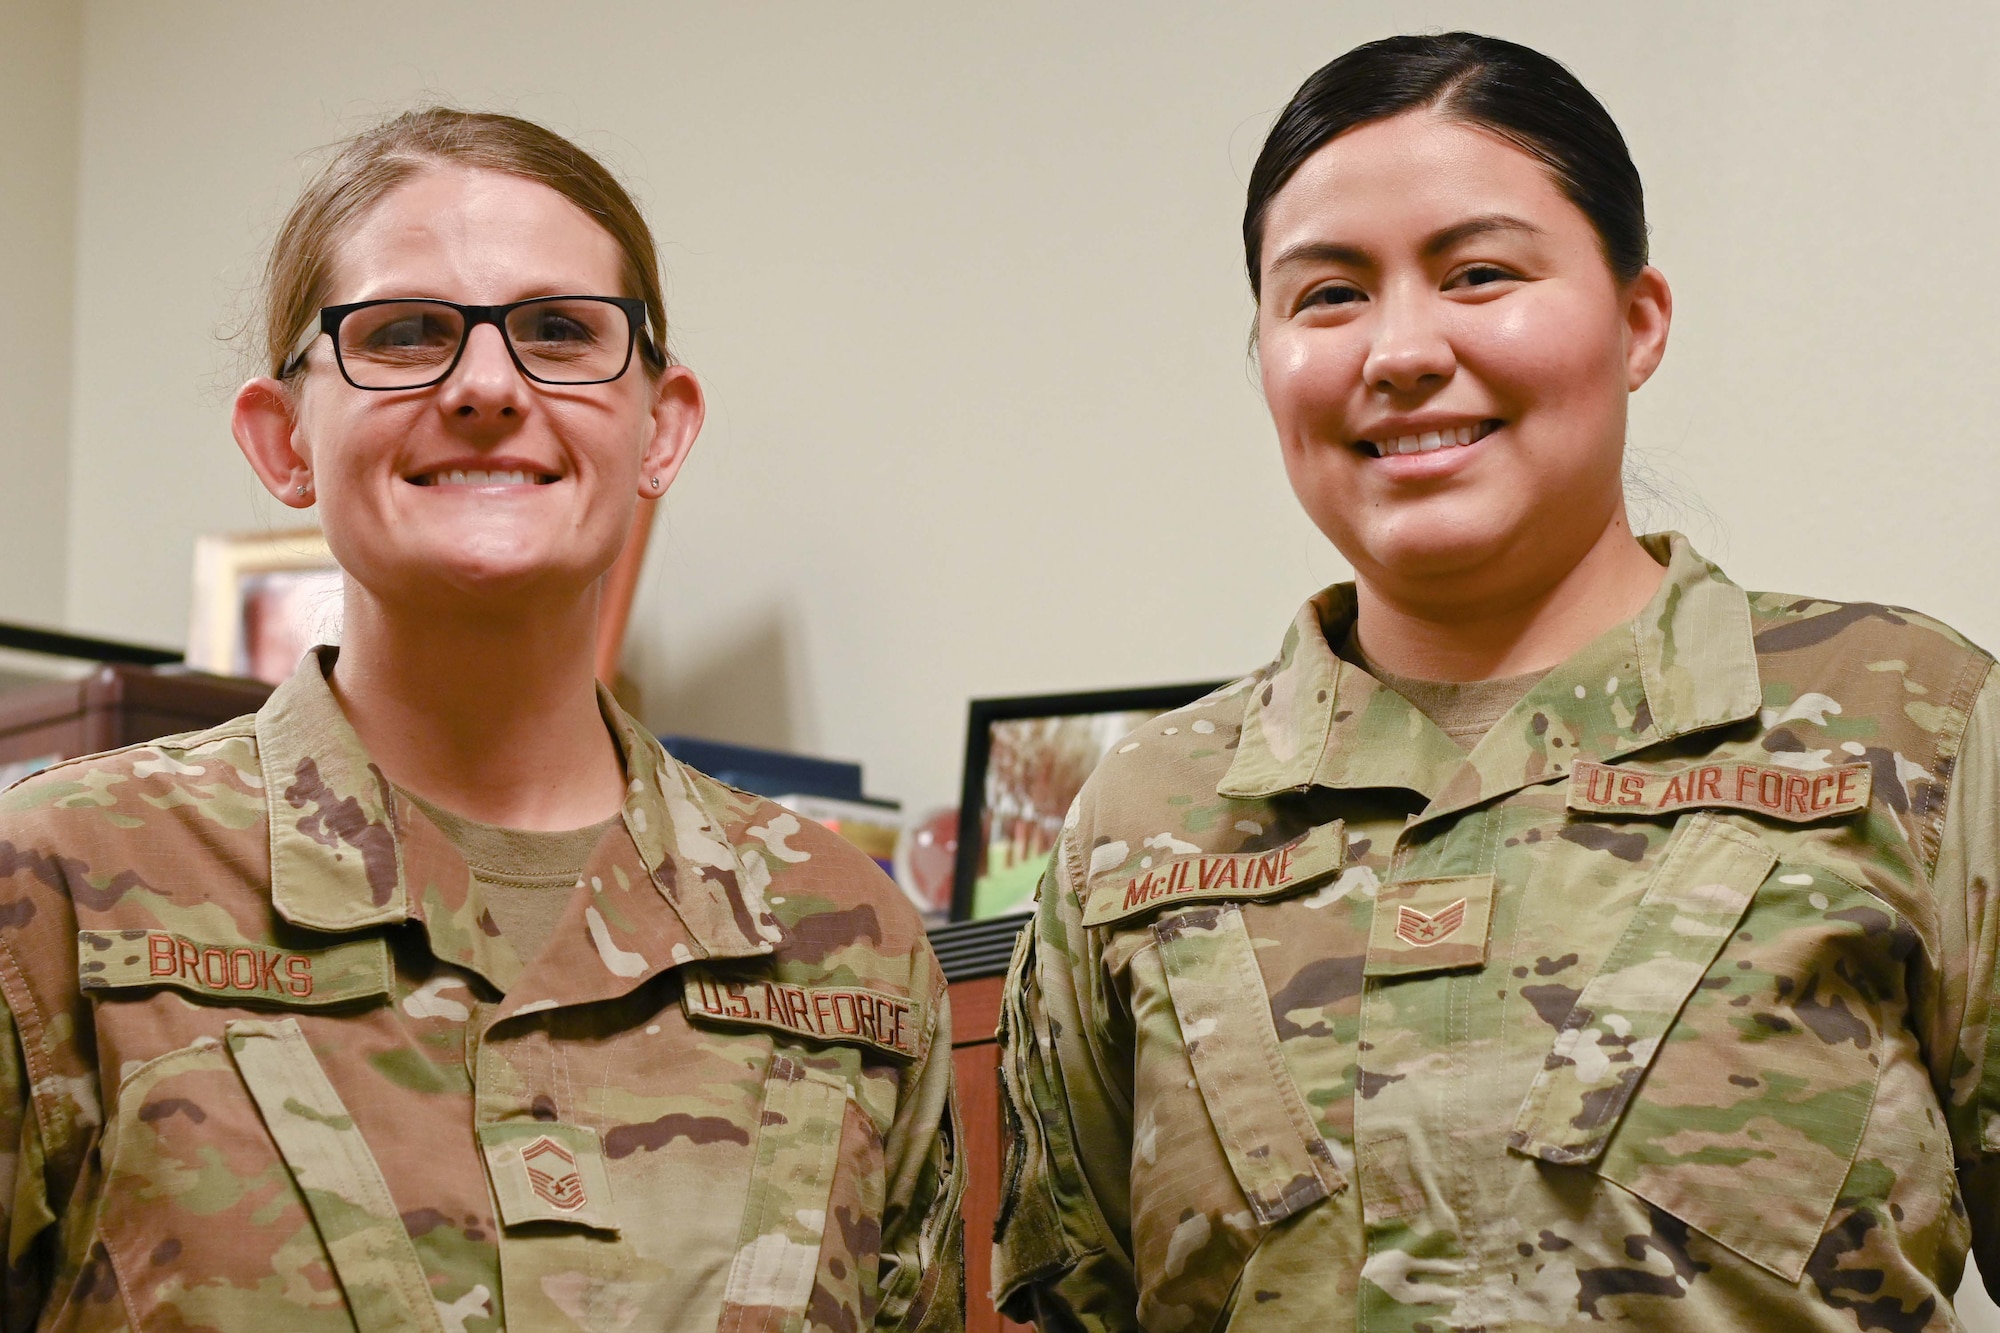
{"x": 269, "y": 1065}
{"x": 1666, "y": 1006}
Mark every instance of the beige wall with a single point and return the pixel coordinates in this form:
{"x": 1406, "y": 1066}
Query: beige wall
{"x": 963, "y": 283}
{"x": 38, "y": 156}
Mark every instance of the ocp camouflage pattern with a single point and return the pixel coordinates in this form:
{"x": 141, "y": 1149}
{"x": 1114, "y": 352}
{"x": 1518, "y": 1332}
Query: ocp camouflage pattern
{"x": 269, "y": 1064}
{"x": 1668, "y": 1005}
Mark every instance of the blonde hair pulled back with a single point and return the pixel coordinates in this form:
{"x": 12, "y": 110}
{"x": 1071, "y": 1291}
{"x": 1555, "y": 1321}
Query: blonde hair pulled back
{"x": 299, "y": 273}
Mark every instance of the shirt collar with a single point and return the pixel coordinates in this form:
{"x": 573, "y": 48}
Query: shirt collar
{"x": 337, "y": 857}
{"x": 1685, "y": 663}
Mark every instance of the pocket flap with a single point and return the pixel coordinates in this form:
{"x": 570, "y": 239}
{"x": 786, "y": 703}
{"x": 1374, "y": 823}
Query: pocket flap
{"x": 338, "y": 1177}
{"x": 1705, "y": 882}
{"x": 770, "y": 1280}
{"x": 1173, "y": 880}
{"x": 1268, "y": 1132}
{"x": 239, "y": 971}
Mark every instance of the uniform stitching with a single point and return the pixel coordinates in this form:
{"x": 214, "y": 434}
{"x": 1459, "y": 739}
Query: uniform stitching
{"x": 1459, "y": 989}
{"x": 28, "y": 1019}
{"x": 1647, "y": 681}
{"x": 1488, "y": 857}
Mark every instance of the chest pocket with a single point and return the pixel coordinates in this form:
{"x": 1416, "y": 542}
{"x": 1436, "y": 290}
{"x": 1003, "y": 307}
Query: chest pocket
{"x": 204, "y": 1228}
{"x": 1718, "y": 1065}
{"x": 1268, "y": 1132}
{"x": 772, "y": 1282}
{"x": 1197, "y": 1219}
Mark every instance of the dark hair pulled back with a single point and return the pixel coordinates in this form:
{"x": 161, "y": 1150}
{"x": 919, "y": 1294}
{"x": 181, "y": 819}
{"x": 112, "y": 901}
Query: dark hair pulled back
{"x": 1501, "y": 86}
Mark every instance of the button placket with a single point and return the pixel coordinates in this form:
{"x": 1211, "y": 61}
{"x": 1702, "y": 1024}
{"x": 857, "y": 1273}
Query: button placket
{"x": 1418, "y": 1009}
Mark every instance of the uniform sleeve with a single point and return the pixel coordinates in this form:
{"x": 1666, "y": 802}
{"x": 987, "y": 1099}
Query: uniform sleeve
{"x": 25, "y": 1216}
{"x": 923, "y": 1235}
{"x": 1063, "y": 1253}
{"x": 1967, "y": 883}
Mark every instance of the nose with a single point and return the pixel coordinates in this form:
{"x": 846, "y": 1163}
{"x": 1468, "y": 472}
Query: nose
{"x": 485, "y": 385}
{"x": 1411, "y": 351}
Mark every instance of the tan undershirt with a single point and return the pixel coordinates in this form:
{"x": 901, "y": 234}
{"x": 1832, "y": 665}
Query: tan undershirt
{"x": 524, "y": 876}
{"x": 1462, "y": 710}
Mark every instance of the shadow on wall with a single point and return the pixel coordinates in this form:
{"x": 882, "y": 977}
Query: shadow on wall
{"x": 738, "y": 686}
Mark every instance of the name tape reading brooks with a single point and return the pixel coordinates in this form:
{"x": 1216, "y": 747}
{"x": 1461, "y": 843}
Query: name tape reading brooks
{"x": 237, "y": 970}
{"x": 1781, "y": 793}
{"x": 823, "y": 1013}
{"x": 1232, "y": 875}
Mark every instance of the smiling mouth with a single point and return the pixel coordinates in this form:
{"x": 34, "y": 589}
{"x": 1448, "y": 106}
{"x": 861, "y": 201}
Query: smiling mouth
{"x": 1429, "y": 441}
{"x": 474, "y": 477}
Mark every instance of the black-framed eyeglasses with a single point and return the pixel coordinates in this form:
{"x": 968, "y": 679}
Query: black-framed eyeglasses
{"x": 415, "y": 342}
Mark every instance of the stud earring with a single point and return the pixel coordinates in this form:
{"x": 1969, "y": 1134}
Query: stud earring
{"x": 656, "y": 483}
{"x": 303, "y": 488}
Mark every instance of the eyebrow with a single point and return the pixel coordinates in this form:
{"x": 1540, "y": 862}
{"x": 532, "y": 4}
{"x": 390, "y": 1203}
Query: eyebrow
{"x": 1329, "y": 252}
{"x": 1479, "y": 226}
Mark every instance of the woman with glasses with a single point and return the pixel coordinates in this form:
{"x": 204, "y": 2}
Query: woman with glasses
{"x": 436, "y": 995}
{"x": 1554, "y": 934}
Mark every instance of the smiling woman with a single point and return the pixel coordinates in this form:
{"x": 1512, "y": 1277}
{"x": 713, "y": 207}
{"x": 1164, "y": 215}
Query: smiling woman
{"x": 1624, "y": 948}
{"x": 437, "y": 995}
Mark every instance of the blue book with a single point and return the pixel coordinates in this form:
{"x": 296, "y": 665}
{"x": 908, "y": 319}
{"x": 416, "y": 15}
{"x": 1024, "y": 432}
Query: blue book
{"x": 770, "y": 773}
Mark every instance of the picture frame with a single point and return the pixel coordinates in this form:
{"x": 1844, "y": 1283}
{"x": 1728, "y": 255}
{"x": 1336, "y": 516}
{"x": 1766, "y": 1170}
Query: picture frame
{"x": 261, "y": 599}
{"x": 1026, "y": 757}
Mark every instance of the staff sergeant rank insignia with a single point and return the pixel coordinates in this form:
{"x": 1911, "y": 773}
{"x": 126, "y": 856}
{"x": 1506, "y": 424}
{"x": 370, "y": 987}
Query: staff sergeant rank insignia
{"x": 1414, "y": 927}
{"x": 822, "y": 1013}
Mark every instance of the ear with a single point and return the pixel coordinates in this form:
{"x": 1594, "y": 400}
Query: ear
{"x": 265, "y": 422}
{"x": 678, "y": 410}
{"x": 1649, "y": 312}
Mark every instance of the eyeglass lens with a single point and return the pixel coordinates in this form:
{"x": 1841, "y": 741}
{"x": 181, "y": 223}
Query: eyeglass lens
{"x": 563, "y": 340}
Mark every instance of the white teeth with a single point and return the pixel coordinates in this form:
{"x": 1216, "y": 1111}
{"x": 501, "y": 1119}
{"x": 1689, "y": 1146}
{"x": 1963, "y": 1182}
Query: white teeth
{"x": 1430, "y": 440}
{"x": 476, "y": 477}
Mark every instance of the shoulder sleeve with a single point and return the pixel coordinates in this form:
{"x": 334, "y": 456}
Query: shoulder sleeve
{"x": 923, "y": 1235}
{"x": 1062, "y": 1256}
{"x": 50, "y": 1115}
{"x": 1966, "y": 881}
{"x": 25, "y": 1216}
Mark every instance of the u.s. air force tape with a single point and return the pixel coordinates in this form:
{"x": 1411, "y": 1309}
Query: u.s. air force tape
{"x": 1158, "y": 880}
{"x": 850, "y": 1014}
{"x": 1761, "y": 789}
{"x": 235, "y": 970}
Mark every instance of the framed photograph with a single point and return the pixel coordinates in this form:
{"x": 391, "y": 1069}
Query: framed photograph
{"x": 260, "y": 600}
{"x": 1026, "y": 758}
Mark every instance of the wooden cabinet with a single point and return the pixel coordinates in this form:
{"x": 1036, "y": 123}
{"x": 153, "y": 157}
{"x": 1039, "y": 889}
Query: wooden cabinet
{"x": 114, "y": 706}
{"x": 974, "y": 956}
